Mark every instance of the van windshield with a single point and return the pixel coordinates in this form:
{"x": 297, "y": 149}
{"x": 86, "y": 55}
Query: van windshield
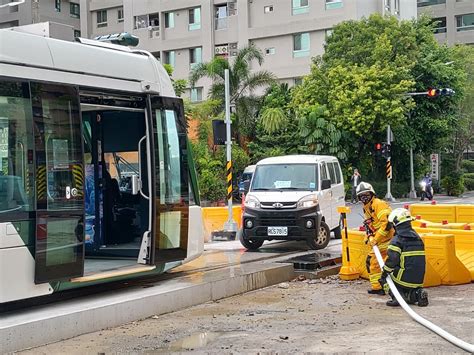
{"x": 285, "y": 177}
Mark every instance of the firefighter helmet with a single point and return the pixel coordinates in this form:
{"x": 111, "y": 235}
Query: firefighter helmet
{"x": 399, "y": 216}
{"x": 364, "y": 187}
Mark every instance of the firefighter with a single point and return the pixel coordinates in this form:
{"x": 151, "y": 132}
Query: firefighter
{"x": 406, "y": 261}
{"x": 376, "y": 212}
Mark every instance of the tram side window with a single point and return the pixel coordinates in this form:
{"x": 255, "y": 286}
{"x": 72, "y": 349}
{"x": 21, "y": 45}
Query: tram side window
{"x": 16, "y": 148}
{"x": 58, "y": 147}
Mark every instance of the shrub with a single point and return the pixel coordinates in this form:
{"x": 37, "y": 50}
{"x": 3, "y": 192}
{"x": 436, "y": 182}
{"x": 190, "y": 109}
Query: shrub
{"x": 469, "y": 181}
{"x": 453, "y": 183}
{"x": 468, "y": 166}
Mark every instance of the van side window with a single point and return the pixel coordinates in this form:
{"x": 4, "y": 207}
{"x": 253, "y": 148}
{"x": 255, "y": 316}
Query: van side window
{"x": 332, "y": 174}
{"x": 337, "y": 170}
{"x": 324, "y": 174}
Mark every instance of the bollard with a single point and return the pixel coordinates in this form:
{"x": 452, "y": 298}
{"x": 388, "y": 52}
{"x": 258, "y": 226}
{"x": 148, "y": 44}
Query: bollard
{"x": 347, "y": 272}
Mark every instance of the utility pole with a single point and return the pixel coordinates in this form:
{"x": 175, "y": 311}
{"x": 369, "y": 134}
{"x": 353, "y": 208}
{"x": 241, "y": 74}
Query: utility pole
{"x": 389, "y": 196}
{"x": 412, "y": 176}
{"x": 230, "y": 225}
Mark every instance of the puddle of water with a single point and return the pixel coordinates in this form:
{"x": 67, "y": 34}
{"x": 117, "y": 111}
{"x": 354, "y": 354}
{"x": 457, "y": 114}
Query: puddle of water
{"x": 194, "y": 341}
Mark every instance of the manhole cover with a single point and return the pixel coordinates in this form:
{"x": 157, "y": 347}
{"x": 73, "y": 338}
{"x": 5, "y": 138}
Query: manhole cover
{"x": 314, "y": 261}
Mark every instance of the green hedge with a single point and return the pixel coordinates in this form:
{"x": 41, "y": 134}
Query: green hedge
{"x": 468, "y": 166}
{"x": 453, "y": 184}
{"x": 469, "y": 181}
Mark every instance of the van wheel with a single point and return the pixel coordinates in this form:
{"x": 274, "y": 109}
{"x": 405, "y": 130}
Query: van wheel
{"x": 250, "y": 244}
{"x": 321, "y": 239}
{"x": 337, "y": 232}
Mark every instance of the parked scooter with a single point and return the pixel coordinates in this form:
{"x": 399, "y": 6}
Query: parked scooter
{"x": 426, "y": 188}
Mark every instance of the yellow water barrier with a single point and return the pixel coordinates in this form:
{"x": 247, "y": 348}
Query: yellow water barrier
{"x": 215, "y": 217}
{"x": 465, "y": 213}
{"x": 434, "y": 213}
{"x": 440, "y": 213}
{"x": 464, "y": 245}
{"x": 443, "y": 265}
{"x": 422, "y": 223}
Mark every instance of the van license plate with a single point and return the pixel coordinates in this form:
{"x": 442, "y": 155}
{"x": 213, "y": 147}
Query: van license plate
{"x": 280, "y": 231}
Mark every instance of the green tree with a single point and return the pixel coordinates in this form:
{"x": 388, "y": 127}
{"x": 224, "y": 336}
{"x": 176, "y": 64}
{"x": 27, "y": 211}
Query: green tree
{"x": 179, "y": 85}
{"x": 243, "y": 84}
{"x": 360, "y": 85}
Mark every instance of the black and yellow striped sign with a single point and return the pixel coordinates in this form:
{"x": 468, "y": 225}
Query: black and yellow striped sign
{"x": 229, "y": 179}
{"x": 78, "y": 175}
{"x": 388, "y": 169}
{"x": 41, "y": 182}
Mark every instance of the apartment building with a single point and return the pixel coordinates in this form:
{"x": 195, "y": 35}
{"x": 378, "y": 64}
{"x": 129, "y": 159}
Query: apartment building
{"x": 186, "y": 32}
{"x": 455, "y": 19}
{"x": 29, "y": 12}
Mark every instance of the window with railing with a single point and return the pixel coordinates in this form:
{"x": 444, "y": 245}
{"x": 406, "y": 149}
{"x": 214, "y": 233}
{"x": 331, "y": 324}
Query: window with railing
{"x": 422, "y": 3}
{"x": 57, "y": 5}
{"x": 465, "y": 22}
{"x": 102, "y": 18}
{"x": 300, "y": 7}
{"x": 334, "y": 4}
{"x": 440, "y": 25}
{"x": 194, "y": 19}
{"x": 151, "y": 21}
{"x": 301, "y": 45}
{"x": 221, "y": 17}
{"x": 74, "y": 10}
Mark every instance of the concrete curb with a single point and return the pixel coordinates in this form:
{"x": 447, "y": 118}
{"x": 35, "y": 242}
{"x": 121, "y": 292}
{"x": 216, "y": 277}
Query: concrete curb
{"x": 57, "y": 322}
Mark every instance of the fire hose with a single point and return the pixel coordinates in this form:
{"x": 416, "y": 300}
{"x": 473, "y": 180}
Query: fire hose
{"x": 433, "y": 327}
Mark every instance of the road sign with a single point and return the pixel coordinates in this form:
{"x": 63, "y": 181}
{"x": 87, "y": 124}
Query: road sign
{"x": 434, "y": 166}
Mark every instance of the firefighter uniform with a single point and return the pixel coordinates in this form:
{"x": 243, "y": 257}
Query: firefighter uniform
{"x": 377, "y": 212}
{"x": 406, "y": 260}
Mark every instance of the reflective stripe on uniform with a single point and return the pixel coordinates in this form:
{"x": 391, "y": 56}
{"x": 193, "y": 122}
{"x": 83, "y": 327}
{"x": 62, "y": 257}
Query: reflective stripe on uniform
{"x": 383, "y": 212}
{"x": 406, "y": 284}
{"x": 388, "y": 269}
{"x": 383, "y": 232}
{"x": 395, "y": 248}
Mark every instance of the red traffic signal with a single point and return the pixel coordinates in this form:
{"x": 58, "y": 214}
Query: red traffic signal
{"x": 433, "y": 92}
{"x": 378, "y": 146}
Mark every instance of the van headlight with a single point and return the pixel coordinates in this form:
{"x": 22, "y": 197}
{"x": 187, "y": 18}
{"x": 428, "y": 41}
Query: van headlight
{"x": 308, "y": 201}
{"x": 252, "y": 202}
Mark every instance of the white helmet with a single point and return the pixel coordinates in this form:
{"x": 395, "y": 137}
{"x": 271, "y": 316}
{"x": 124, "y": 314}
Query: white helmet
{"x": 399, "y": 216}
{"x": 364, "y": 187}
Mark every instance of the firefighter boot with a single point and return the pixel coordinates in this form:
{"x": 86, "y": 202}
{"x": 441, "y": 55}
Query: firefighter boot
{"x": 422, "y": 297}
{"x": 393, "y": 302}
{"x": 376, "y": 292}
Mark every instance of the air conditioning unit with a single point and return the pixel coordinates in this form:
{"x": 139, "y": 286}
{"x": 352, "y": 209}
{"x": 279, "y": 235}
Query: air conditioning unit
{"x": 221, "y": 50}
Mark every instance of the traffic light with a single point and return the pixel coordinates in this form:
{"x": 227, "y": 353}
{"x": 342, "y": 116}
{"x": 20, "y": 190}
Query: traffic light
{"x": 433, "y": 92}
{"x": 378, "y": 149}
{"x": 440, "y": 92}
{"x": 386, "y": 150}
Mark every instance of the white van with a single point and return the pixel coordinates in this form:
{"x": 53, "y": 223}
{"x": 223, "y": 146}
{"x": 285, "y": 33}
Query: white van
{"x": 293, "y": 197}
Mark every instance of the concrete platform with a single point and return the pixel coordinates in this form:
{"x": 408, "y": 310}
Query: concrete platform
{"x": 224, "y": 270}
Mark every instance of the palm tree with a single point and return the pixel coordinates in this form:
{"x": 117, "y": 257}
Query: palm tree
{"x": 243, "y": 82}
{"x": 273, "y": 119}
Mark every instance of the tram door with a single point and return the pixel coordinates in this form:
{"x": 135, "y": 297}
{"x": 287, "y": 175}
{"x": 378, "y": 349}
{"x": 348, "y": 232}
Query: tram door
{"x": 59, "y": 237}
{"x": 170, "y": 194}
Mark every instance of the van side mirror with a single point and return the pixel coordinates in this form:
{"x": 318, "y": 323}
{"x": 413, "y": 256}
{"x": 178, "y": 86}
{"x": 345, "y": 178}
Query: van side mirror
{"x": 246, "y": 186}
{"x": 135, "y": 184}
{"x": 325, "y": 184}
